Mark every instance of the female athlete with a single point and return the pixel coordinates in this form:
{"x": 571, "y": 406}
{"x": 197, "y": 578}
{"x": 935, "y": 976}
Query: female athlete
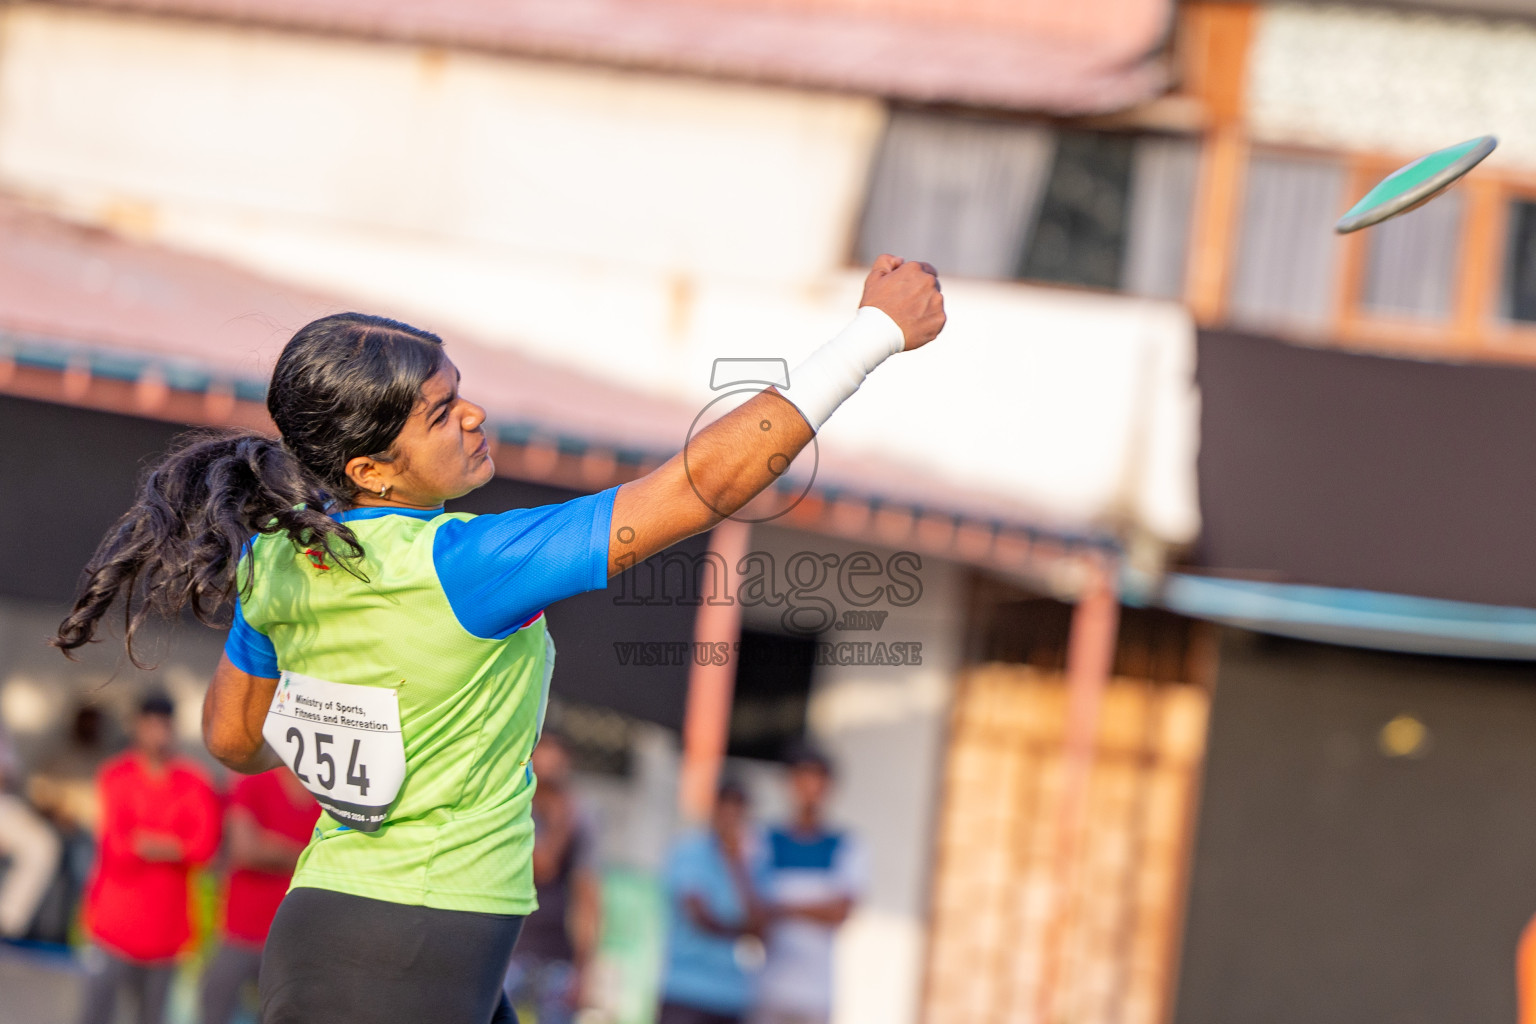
{"x": 395, "y": 655}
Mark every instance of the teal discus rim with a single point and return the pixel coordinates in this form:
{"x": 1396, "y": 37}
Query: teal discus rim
{"x": 1415, "y": 183}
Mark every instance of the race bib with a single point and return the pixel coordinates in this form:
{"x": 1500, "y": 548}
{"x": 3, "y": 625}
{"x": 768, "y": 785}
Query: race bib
{"x": 343, "y": 743}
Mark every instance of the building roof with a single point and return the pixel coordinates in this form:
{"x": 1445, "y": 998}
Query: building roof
{"x": 1087, "y": 56}
{"x": 94, "y": 319}
{"x": 1491, "y": 8}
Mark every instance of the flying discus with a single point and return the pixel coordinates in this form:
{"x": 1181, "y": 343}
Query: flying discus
{"x": 1417, "y": 183}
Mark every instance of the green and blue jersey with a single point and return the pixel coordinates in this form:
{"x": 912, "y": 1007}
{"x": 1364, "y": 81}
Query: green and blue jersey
{"x": 446, "y": 611}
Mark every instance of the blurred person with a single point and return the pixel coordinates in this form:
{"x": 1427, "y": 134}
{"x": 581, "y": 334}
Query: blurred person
{"x": 815, "y": 877}
{"x": 715, "y": 917}
{"x": 63, "y": 787}
{"x": 31, "y": 846}
{"x": 550, "y": 965}
{"x": 160, "y": 819}
{"x": 268, "y": 822}
{"x": 63, "y": 784}
{"x": 347, "y": 584}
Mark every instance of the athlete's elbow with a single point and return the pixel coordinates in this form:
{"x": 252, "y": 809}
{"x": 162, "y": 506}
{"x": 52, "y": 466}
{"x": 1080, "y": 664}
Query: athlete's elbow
{"x": 227, "y": 754}
{"x": 695, "y": 506}
{"x": 230, "y": 747}
{"x": 216, "y": 734}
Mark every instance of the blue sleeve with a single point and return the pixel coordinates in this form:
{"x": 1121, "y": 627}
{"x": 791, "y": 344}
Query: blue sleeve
{"x": 500, "y": 571}
{"x": 248, "y": 650}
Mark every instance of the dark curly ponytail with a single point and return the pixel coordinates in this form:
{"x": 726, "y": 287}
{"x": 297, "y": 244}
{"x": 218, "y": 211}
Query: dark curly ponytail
{"x": 343, "y": 387}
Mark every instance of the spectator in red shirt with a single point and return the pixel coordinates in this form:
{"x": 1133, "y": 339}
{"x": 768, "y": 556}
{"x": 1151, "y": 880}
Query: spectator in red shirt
{"x": 270, "y": 819}
{"x": 159, "y": 818}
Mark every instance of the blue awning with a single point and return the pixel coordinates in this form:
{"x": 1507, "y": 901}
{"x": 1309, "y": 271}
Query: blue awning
{"x": 1356, "y": 618}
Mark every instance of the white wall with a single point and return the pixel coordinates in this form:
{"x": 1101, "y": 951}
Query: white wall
{"x": 40, "y": 689}
{"x": 1403, "y": 82}
{"x": 578, "y": 207}
{"x": 632, "y": 225}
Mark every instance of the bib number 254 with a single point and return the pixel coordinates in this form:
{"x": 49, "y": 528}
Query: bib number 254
{"x": 343, "y": 743}
{"x": 357, "y": 774}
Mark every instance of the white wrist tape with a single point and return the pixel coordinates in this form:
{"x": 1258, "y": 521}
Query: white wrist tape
{"x": 835, "y": 370}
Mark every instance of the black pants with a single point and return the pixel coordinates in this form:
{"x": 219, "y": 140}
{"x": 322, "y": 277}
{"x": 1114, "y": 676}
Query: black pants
{"x": 232, "y": 968}
{"x": 334, "y": 957}
{"x": 109, "y": 974}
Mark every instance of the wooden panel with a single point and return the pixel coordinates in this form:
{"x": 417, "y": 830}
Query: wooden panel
{"x": 1213, "y": 44}
{"x": 1213, "y": 52}
{"x": 1482, "y": 260}
{"x": 1363, "y": 173}
{"x": 1213, "y": 236}
{"x": 996, "y": 882}
{"x": 1474, "y": 331}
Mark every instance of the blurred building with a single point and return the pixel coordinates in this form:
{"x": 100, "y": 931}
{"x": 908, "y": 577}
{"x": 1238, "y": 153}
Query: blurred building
{"x": 1179, "y": 439}
{"x": 1363, "y": 841}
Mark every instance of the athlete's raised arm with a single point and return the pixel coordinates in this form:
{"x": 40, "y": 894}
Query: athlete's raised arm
{"x": 739, "y": 455}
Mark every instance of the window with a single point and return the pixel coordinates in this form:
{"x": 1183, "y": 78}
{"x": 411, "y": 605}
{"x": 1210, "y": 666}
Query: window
{"x": 1163, "y": 175}
{"x": 773, "y": 690}
{"x": 1411, "y": 261}
{"x": 1519, "y": 301}
{"x": 1000, "y": 199}
{"x": 1286, "y": 251}
{"x": 958, "y": 192}
{"x": 1079, "y": 235}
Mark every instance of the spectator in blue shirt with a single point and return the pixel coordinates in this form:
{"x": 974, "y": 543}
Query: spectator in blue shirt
{"x": 714, "y": 878}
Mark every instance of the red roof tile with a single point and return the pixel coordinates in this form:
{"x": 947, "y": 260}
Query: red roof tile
{"x": 94, "y": 288}
{"x": 86, "y": 292}
{"x": 1078, "y": 57}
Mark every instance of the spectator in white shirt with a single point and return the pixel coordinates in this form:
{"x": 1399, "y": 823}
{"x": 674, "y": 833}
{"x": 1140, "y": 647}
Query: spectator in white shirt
{"x": 816, "y": 876}
{"x": 31, "y": 846}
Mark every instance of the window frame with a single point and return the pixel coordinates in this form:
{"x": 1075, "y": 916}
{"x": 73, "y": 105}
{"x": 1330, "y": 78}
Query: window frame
{"x": 1128, "y": 129}
{"x": 1506, "y": 337}
{"x": 1357, "y": 323}
{"x": 1474, "y": 327}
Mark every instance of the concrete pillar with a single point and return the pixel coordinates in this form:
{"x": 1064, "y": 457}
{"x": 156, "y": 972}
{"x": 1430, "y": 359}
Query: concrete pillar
{"x": 707, "y": 717}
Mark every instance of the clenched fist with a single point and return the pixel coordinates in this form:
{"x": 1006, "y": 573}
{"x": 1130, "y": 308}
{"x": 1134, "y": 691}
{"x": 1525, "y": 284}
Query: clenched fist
{"x": 909, "y": 294}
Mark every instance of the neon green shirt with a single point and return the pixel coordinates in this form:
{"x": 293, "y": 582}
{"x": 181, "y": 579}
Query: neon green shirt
{"x": 446, "y": 611}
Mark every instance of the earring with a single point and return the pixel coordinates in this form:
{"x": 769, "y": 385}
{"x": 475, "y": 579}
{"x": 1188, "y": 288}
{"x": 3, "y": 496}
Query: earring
{"x": 384, "y": 491}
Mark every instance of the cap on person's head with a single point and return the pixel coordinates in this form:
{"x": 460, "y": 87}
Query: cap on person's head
{"x": 157, "y": 703}
{"x": 808, "y": 755}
